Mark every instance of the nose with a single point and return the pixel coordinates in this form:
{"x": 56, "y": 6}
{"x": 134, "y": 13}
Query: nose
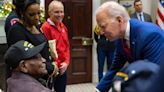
{"x": 37, "y": 16}
{"x": 43, "y": 60}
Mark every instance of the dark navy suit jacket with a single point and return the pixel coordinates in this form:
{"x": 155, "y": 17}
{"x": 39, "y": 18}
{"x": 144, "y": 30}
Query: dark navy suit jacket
{"x": 146, "y": 42}
{"x": 157, "y": 83}
{"x": 146, "y": 16}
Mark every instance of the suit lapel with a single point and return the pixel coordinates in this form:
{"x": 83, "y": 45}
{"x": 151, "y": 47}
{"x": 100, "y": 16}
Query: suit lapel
{"x": 135, "y": 15}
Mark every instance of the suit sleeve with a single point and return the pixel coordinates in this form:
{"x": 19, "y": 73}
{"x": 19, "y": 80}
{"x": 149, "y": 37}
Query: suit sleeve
{"x": 133, "y": 16}
{"x": 152, "y": 48}
{"x": 157, "y": 84}
{"x": 106, "y": 82}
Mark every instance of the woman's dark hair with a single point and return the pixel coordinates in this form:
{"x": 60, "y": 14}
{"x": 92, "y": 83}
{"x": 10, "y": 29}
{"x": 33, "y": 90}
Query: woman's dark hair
{"x": 22, "y": 5}
{"x": 13, "y": 2}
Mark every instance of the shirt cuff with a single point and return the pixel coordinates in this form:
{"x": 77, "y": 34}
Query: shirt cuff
{"x": 97, "y": 90}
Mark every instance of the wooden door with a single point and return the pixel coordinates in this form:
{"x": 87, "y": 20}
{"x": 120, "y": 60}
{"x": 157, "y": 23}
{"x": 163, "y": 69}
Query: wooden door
{"x": 78, "y": 19}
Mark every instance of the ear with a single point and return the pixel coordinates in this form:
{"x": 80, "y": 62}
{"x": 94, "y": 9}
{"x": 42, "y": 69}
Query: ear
{"x": 23, "y": 66}
{"x": 119, "y": 19}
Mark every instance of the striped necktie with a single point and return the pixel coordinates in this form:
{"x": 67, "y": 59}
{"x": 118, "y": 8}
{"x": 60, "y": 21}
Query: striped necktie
{"x": 127, "y": 49}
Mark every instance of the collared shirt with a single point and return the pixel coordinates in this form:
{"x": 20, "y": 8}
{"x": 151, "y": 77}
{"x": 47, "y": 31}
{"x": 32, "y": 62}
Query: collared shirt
{"x": 140, "y": 16}
{"x": 97, "y": 90}
{"x": 127, "y": 34}
{"x": 60, "y": 34}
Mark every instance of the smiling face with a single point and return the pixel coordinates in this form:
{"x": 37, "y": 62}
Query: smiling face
{"x": 32, "y": 14}
{"x": 110, "y": 27}
{"x": 34, "y": 66}
{"x": 56, "y": 12}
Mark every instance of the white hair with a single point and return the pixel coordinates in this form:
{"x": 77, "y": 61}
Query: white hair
{"x": 113, "y": 9}
{"x": 53, "y": 4}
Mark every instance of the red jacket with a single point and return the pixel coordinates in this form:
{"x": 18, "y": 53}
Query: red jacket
{"x": 52, "y": 31}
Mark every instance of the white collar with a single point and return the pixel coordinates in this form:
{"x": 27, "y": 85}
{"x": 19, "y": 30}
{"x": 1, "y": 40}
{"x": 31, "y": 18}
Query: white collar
{"x": 51, "y": 22}
{"x": 127, "y": 31}
{"x": 139, "y": 13}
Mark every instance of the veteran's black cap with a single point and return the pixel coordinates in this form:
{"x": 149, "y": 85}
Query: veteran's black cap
{"x": 137, "y": 76}
{"x": 21, "y": 50}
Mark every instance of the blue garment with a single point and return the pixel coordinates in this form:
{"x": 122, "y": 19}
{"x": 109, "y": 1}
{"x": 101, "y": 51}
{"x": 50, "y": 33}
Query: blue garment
{"x": 102, "y": 55}
{"x": 146, "y": 42}
{"x": 105, "y": 50}
{"x": 157, "y": 83}
{"x": 145, "y": 17}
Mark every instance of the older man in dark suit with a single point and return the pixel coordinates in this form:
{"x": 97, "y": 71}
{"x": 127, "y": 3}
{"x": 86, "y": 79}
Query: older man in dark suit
{"x": 139, "y": 14}
{"x": 136, "y": 40}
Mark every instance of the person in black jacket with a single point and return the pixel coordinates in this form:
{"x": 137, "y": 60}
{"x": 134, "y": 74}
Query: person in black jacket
{"x": 11, "y": 19}
{"x": 105, "y": 50}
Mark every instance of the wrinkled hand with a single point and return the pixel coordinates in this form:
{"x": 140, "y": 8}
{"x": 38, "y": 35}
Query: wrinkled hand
{"x": 63, "y": 68}
{"x": 94, "y": 90}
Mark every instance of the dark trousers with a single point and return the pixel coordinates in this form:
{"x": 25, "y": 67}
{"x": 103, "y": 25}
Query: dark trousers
{"x": 60, "y": 83}
{"x": 102, "y": 55}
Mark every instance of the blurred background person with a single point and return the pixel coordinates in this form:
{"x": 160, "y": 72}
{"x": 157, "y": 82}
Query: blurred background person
{"x": 54, "y": 29}
{"x": 135, "y": 40}
{"x": 105, "y": 51}
{"x": 12, "y": 18}
{"x": 139, "y": 14}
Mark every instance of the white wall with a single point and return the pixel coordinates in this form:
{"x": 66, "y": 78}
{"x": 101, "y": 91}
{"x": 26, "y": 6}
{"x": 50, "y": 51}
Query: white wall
{"x": 150, "y": 7}
{"x": 42, "y": 2}
{"x": 96, "y": 4}
{"x": 147, "y": 6}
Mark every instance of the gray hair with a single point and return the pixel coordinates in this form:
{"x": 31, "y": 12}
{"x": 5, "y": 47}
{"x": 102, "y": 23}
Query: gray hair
{"x": 53, "y": 3}
{"x": 113, "y": 9}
